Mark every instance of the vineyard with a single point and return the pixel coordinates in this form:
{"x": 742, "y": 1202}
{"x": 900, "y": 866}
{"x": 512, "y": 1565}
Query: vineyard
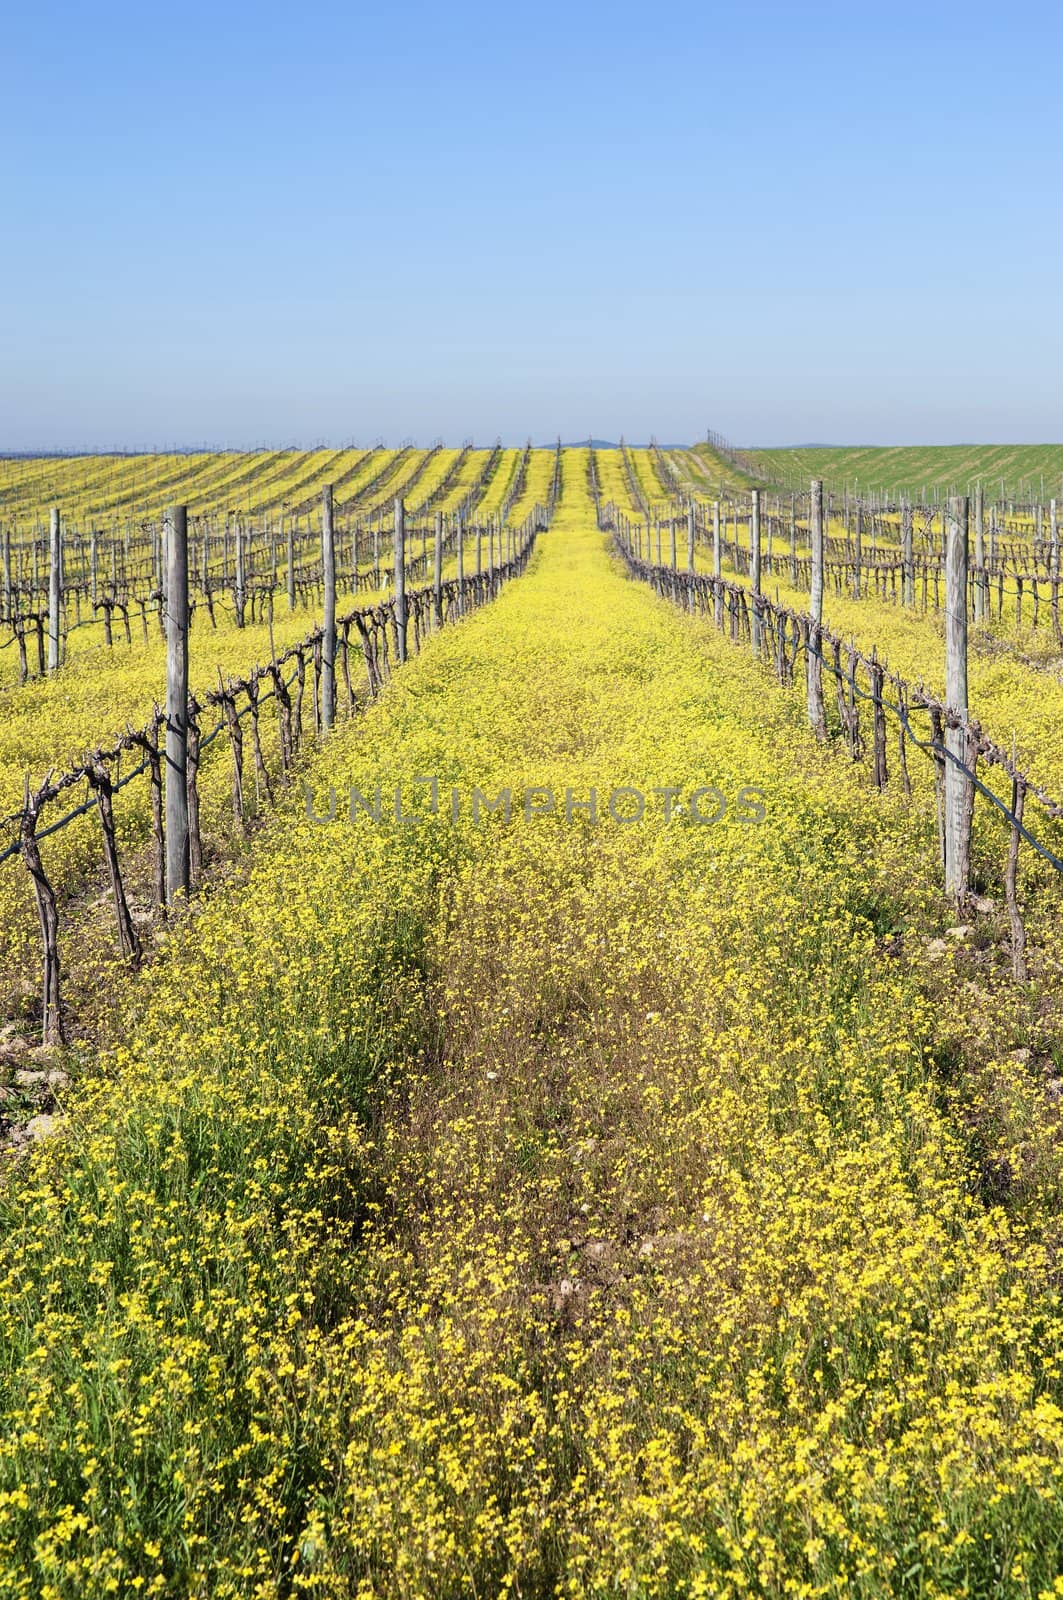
{"x": 530, "y": 1023}
{"x": 1017, "y": 471}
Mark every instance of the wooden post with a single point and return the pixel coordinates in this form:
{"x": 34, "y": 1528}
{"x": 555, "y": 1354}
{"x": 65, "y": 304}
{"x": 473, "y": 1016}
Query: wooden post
{"x": 328, "y": 631}
{"x": 1053, "y": 565}
{"x": 957, "y": 836}
{"x": 993, "y": 539}
{"x": 289, "y": 556}
{"x": 979, "y": 557}
{"x": 460, "y": 547}
{"x": 177, "y": 859}
{"x": 690, "y": 537}
{"x": 817, "y": 719}
{"x": 437, "y": 572}
{"x": 754, "y": 570}
{"x": 239, "y": 591}
{"x": 717, "y": 562}
{"x": 906, "y": 554}
{"x": 55, "y": 579}
{"x": 400, "y": 576}
{"x": 672, "y": 549}
{"x": 793, "y": 540}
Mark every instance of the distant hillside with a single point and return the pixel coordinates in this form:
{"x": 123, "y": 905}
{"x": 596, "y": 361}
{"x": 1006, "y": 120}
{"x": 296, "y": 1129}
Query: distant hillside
{"x": 1015, "y": 471}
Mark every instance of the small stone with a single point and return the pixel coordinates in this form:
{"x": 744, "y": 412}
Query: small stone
{"x": 937, "y": 947}
{"x": 57, "y": 1078}
{"x": 962, "y": 931}
{"x": 41, "y": 1126}
{"x": 983, "y": 905}
{"x": 42, "y": 1054}
{"x": 29, "y": 1078}
{"x": 1022, "y": 1056}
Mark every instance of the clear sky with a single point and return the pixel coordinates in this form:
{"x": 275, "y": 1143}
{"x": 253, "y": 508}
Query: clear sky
{"x": 795, "y": 223}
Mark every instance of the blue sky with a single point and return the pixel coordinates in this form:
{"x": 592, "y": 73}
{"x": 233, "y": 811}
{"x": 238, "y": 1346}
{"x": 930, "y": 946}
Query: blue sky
{"x": 281, "y": 224}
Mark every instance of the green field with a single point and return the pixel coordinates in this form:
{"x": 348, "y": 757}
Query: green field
{"x": 911, "y": 469}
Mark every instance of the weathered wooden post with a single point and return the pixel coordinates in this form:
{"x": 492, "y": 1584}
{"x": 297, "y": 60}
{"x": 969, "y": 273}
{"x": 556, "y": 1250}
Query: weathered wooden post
{"x": 979, "y": 557}
{"x": 754, "y": 570}
{"x": 858, "y": 550}
{"x": 7, "y": 574}
{"x": 239, "y": 589}
{"x": 55, "y": 589}
{"x": 177, "y": 856}
{"x": 907, "y": 559}
{"x": 328, "y": 628}
{"x": 94, "y": 581}
{"x": 793, "y": 540}
{"x": 460, "y": 548}
{"x": 817, "y": 719}
{"x": 289, "y": 557}
{"x": 993, "y": 539}
{"x": 690, "y": 537}
{"x": 400, "y": 576}
{"x": 717, "y": 562}
{"x": 673, "y": 560}
{"x": 1053, "y": 566}
{"x": 957, "y": 817}
{"x": 437, "y": 572}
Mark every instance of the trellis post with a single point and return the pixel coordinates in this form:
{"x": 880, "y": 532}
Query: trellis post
{"x": 177, "y": 858}
{"x": 55, "y": 589}
{"x": 957, "y": 819}
{"x": 437, "y": 571}
{"x": 817, "y": 720}
{"x": 328, "y": 631}
{"x": 906, "y": 553}
{"x": 754, "y": 569}
{"x": 400, "y": 576}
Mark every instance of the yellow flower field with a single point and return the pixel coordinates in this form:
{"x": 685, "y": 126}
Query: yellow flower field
{"x": 553, "y": 1204}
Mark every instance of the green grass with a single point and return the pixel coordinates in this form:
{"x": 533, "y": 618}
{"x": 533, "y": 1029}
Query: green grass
{"x": 953, "y": 468}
